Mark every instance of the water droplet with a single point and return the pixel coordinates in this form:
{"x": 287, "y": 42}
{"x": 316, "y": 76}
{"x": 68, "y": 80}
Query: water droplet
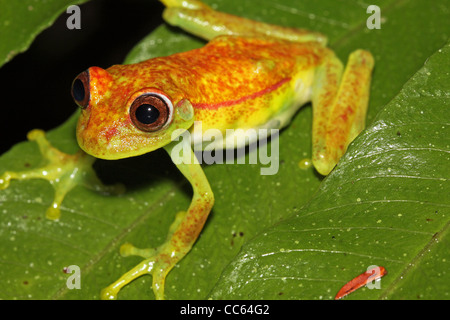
{"x": 305, "y": 163}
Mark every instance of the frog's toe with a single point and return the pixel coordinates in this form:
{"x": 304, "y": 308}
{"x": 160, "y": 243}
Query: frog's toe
{"x": 5, "y": 178}
{"x": 157, "y": 263}
{"x": 127, "y": 249}
{"x": 159, "y": 281}
{"x": 109, "y": 293}
{"x": 150, "y": 266}
{"x": 35, "y": 134}
{"x": 323, "y": 164}
{"x": 53, "y": 212}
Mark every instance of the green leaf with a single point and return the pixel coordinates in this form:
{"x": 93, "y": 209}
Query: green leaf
{"x": 252, "y": 209}
{"x": 386, "y": 204}
{"x": 21, "y": 21}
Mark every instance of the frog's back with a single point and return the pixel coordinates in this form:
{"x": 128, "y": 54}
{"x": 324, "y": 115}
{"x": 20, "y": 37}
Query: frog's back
{"x": 233, "y": 81}
{"x": 238, "y": 82}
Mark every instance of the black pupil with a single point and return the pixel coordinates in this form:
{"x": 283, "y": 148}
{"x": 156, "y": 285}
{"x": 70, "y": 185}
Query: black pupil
{"x": 78, "y": 90}
{"x": 147, "y": 114}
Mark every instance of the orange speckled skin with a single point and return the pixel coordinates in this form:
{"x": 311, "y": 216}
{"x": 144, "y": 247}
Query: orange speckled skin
{"x": 232, "y": 82}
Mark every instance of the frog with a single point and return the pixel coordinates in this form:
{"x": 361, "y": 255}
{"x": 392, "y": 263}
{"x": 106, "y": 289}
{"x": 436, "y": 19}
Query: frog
{"x": 249, "y": 75}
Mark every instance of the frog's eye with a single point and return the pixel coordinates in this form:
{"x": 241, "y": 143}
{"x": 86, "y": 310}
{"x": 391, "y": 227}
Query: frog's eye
{"x": 80, "y": 90}
{"x": 151, "y": 111}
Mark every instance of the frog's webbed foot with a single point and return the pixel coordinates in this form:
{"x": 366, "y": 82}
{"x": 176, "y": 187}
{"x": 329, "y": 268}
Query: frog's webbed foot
{"x": 63, "y": 171}
{"x": 157, "y": 263}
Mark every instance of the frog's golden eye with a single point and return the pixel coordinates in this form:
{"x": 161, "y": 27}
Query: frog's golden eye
{"x": 151, "y": 111}
{"x": 80, "y": 90}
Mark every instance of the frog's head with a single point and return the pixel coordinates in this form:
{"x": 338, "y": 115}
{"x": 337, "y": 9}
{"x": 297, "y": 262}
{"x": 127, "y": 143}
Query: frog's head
{"x": 122, "y": 117}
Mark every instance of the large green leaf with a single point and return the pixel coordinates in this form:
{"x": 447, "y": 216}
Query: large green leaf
{"x": 249, "y": 206}
{"x": 21, "y": 21}
{"x": 386, "y": 204}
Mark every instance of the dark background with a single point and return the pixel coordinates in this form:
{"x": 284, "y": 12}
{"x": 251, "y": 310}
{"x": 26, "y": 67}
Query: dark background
{"x": 35, "y": 85}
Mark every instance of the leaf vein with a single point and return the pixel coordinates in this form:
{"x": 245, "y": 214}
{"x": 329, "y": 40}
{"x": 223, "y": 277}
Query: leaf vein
{"x": 331, "y": 252}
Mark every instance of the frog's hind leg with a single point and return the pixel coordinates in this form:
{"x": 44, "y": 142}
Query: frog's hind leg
{"x": 197, "y": 18}
{"x": 339, "y": 106}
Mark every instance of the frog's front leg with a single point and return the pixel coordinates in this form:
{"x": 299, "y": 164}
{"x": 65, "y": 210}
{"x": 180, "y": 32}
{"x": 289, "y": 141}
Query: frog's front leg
{"x": 339, "y": 106}
{"x": 183, "y": 232}
{"x": 63, "y": 171}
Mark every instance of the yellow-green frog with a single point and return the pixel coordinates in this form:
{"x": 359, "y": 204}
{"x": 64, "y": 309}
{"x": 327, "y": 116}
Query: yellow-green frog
{"x": 249, "y": 75}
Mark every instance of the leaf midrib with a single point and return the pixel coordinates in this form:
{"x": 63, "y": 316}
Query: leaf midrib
{"x": 416, "y": 260}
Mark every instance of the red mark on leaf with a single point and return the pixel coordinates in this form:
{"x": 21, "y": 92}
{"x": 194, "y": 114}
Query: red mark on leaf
{"x": 360, "y": 281}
